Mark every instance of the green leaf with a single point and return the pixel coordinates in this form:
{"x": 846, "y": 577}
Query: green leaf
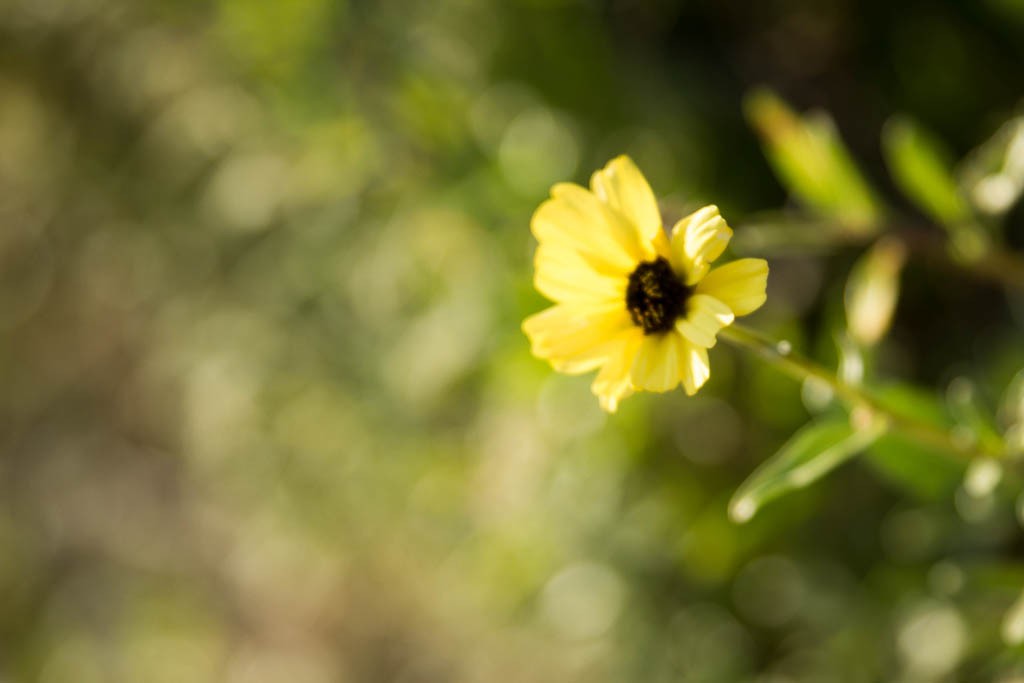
{"x": 930, "y": 473}
{"x": 872, "y": 291}
{"x": 811, "y": 160}
{"x": 1013, "y": 623}
{"x": 921, "y": 168}
{"x": 992, "y": 176}
{"x": 1011, "y": 407}
{"x": 814, "y": 451}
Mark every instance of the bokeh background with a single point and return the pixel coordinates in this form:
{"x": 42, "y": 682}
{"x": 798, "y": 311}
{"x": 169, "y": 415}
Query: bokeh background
{"x": 266, "y": 413}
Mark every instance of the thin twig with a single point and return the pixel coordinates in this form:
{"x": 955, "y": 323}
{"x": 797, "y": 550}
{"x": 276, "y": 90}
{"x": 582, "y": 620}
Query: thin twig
{"x": 781, "y": 354}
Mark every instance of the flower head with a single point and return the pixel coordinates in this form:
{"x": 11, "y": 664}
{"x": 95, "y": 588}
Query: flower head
{"x": 640, "y": 305}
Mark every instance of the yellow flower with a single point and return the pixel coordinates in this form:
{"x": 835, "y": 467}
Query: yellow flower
{"x": 640, "y": 305}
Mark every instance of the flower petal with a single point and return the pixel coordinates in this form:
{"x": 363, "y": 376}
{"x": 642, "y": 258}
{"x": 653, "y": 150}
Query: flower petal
{"x": 697, "y": 240}
{"x": 694, "y": 366}
{"x": 621, "y": 184}
{"x": 574, "y": 338}
{"x": 613, "y": 383}
{"x": 562, "y": 275}
{"x": 705, "y": 316}
{"x": 576, "y": 219}
{"x": 740, "y": 285}
{"x": 656, "y": 367}
{"x": 621, "y": 232}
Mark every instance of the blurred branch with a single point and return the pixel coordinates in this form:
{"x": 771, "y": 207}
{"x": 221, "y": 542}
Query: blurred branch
{"x": 987, "y": 261}
{"x": 785, "y": 235}
{"x": 781, "y": 354}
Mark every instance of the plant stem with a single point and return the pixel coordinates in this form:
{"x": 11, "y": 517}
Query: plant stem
{"x": 781, "y": 354}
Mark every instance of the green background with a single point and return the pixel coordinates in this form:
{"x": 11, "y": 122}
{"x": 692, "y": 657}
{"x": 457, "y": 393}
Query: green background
{"x": 266, "y": 412}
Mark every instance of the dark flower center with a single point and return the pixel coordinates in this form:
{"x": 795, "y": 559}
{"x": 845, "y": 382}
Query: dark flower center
{"x": 656, "y": 296}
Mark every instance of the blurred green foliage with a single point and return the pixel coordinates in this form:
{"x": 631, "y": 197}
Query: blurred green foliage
{"x": 813, "y": 162}
{"x": 267, "y": 414}
{"x": 812, "y": 452}
{"x": 921, "y": 167}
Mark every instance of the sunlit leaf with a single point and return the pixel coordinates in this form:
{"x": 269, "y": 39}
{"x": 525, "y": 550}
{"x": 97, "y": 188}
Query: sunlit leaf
{"x": 810, "y": 454}
{"x": 1011, "y": 407}
{"x": 1013, "y": 623}
{"x": 811, "y": 160}
{"x": 982, "y": 477}
{"x": 922, "y": 168}
{"x": 993, "y": 174}
{"x": 872, "y": 291}
{"x": 851, "y": 360}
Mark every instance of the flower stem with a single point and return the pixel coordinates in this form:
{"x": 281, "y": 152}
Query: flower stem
{"x": 782, "y": 356}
